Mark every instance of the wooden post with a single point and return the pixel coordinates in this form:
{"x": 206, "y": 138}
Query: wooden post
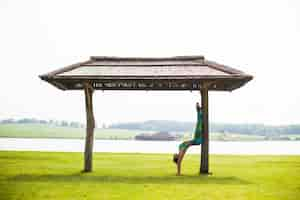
{"x": 204, "y": 167}
{"x": 90, "y": 125}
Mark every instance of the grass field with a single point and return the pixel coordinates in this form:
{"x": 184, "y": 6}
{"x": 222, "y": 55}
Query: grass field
{"x": 48, "y": 131}
{"x": 48, "y": 175}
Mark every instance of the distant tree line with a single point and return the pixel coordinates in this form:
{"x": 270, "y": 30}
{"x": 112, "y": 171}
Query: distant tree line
{"x": 62, "y": 123}
{"x": 173, "y": 126}
{"x": 176, "y": 126}
{"x": 256, "y": 129}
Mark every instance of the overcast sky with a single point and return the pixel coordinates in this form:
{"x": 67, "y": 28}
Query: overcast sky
{"x": 258, "y": 37}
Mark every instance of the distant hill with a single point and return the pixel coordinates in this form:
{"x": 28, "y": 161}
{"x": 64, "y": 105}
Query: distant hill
{"x": 157, "y": 125}
{"x": 177, "y": 126}
{"x": 43, "y": 129}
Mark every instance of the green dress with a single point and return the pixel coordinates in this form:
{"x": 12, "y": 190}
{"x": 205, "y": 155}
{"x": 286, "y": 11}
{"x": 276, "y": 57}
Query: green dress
{"x": 197, "y": 140}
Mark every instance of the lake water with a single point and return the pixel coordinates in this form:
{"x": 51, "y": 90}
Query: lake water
{"x": 133, "y": 146}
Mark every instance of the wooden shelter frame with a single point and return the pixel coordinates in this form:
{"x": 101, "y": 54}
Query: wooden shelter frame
{"x": 173, "y": 73}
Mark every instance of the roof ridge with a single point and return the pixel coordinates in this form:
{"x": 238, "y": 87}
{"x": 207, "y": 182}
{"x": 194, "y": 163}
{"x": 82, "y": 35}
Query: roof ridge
{"x": 147, "y": 65}
{"x": 174, "y": 58}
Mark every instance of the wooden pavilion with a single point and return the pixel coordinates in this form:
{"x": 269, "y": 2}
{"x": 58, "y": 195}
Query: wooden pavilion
{"x": 172, "y": 73}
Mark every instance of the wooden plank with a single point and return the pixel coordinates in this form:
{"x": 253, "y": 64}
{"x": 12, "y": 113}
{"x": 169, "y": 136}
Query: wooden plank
{"x": 221, "y": 83}
{"x": 204, "y": 165}
{"x": 89, "y": 140}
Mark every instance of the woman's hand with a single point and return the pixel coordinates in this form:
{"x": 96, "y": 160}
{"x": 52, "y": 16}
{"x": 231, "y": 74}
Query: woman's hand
{"x": 198, "y": 106}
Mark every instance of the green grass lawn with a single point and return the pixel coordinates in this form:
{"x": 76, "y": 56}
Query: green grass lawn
{"x": 49, "y": 175}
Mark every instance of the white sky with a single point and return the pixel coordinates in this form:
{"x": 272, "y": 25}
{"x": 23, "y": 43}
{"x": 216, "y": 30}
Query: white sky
{"x": 258, "y": 37}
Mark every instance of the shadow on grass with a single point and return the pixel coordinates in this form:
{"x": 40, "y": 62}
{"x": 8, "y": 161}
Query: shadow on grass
{"x": 80, "y": 177}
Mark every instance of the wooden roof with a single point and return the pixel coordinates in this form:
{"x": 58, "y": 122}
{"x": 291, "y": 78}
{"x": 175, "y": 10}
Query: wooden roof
{"x": 172, "y": 73}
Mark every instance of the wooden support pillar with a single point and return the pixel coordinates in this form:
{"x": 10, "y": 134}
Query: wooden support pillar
{"x": 90, "y": 125}
{"x": 204, "y": 165}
